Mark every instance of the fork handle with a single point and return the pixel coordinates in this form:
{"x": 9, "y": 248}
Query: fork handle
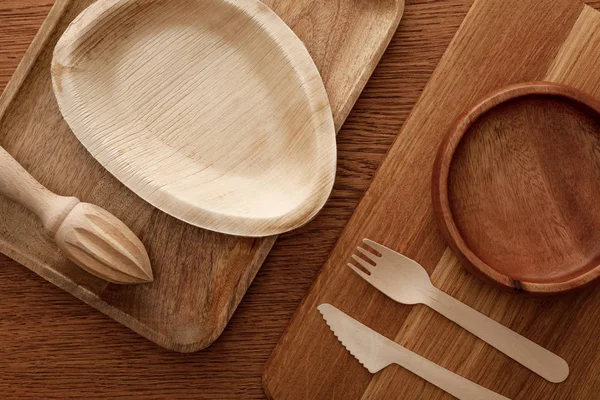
{"x": 531, "y": 355}
{"x": 456, "y": 385}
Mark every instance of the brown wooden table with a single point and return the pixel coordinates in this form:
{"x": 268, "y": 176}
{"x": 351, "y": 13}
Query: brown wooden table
{"x": 52, "y": 346}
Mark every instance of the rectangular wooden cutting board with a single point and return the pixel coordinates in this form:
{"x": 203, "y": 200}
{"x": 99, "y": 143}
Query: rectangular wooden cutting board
{"x": 500, "y": 42}
{"x": 200, "y": 276}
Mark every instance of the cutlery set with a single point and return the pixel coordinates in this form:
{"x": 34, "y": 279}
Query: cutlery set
{"x": 215, "y": 114}
{"x": 406, "y": 282}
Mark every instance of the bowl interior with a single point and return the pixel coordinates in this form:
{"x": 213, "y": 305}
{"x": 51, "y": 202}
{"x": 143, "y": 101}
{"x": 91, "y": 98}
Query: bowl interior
{"x": 523, "y": 188}
{"x": 211, "y": 110}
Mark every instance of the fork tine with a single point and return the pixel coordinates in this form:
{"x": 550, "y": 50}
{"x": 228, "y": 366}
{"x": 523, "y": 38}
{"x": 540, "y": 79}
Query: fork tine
{"x": 376, "y": 246}
{"x": 368, "y": 254}
{"x": 360, "y": 273}
{"x": 363, "y": 263}
{"x": 386, "y": 251}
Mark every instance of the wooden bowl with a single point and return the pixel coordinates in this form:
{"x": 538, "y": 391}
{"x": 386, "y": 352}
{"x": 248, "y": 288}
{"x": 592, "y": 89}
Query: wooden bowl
{"x": 211, "y": 110}
{"x": 516, "y": 186}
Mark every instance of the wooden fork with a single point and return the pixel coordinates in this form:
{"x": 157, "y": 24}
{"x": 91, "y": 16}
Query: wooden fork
{"x": 407, "y": 282}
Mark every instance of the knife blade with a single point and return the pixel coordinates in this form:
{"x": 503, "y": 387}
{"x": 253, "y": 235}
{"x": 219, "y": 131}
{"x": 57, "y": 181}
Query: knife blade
{"x": 375, "y": 352}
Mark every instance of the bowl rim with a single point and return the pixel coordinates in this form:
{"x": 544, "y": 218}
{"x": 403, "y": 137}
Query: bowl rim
{"x": 441, "y": 171}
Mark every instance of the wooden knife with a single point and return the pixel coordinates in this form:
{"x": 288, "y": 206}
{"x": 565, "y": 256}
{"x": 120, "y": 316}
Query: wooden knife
{"x": 376, "y": 352}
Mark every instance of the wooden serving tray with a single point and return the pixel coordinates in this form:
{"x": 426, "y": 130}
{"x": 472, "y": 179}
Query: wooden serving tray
{"x": 200, "y": 276}
{"x": 501, "y": 42}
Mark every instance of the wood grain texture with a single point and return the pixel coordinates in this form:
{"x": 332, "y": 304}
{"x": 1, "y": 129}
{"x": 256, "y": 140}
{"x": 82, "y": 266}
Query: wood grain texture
{"x": 200, "y": 276}
{"x": 212, "y": 111}
{"x": 515, "y": 186}
{"x": 500, "y": 43}
{"x": 55, "y": 347}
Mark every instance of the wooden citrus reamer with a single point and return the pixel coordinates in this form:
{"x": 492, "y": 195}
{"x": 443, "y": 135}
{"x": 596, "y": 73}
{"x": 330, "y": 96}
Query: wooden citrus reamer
{"x": 88, "y": 235}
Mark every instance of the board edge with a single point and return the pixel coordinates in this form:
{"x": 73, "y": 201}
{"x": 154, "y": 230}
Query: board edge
{"x": 31, "y": 55}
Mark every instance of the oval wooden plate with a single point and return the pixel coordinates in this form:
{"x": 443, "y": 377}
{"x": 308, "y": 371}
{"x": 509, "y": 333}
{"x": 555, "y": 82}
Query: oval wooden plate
{"x": 211, "y": 110}
{"x": 516, "y": 185}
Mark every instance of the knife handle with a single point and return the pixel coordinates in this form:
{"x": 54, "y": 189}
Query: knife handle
{"x": 456, "y": 385}
{"x": 533, "y": 356}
